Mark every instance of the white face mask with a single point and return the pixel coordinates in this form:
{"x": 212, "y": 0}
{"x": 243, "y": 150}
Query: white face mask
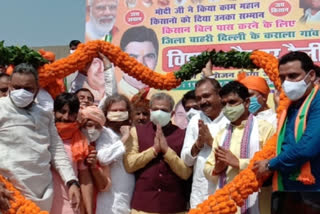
{"x": 191, "y": 113}
{"x": 92, "y": 134}
{"x": 118, "y": 116}
{"x": 72, "y": 51}
{"x": 21, "y": 97}
{"x": 160, "y": 117}
{"x": 295, "y": 90}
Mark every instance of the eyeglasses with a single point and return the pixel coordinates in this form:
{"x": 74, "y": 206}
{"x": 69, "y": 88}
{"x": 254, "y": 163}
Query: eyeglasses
{"x": 4, "y": 90}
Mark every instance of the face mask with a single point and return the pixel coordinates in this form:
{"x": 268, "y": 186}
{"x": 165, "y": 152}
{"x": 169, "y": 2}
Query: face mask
{"x": 254, "y": 105}
{"x": 191, "y": 113}
{"x": 233, "y": 113}
{"x": 117, "y": 116}
{"x": 92, "y": 134}
{"x": 21, "y": 97}
{"x": 160, "y": 117}
{"x": 295, "y": 90}
{"x": 72, "y": 51}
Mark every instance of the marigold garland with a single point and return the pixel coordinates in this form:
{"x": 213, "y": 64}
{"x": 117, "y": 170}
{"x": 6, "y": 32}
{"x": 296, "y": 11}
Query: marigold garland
{"x": 245, "y": 183}
{"x": 85, "y": 53}
{"x": 19, "y": 204}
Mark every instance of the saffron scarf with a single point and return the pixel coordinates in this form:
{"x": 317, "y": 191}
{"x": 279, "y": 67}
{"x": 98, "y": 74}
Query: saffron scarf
{"x": 304, "y": 174}
{"x": 79, "y": 142}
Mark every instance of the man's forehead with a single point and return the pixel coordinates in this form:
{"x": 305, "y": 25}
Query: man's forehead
{"x": 105, "y": 2}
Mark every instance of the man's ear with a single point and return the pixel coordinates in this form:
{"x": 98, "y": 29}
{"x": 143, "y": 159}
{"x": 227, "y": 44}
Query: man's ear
{"x": 312, "y": 75}
{"x": 247, "y": 102}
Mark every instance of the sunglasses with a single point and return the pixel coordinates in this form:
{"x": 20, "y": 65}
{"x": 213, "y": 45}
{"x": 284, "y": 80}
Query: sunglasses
{"x": 4, "y": 90}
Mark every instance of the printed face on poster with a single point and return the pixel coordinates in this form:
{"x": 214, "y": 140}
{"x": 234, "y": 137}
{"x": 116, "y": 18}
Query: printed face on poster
{"x": 163, "y": 34}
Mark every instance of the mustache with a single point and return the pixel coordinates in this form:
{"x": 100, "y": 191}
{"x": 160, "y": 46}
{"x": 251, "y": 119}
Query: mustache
{"x": 204, "y": 105}
{"x": 106, "y": 17}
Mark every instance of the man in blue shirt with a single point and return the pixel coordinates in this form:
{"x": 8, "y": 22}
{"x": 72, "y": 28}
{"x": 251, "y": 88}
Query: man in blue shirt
{"x": 297, "y": 76}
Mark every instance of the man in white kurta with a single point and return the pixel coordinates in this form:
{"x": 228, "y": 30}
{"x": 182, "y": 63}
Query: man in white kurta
{"x": 29, "y": 142}
{"x": 213, "y": 118}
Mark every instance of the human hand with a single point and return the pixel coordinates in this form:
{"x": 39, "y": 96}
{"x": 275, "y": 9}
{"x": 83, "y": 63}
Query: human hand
{"x": 261, "y": 168}
{"x": 125, "y": 133}
{"x": 207, "y": 71}
{"x": 74, "y": 196}
{"x": 162, "y": 140}
{"x": 227, "y": 157}
{"x": 106, "y": 62}
{"x": 92, "y": 158}
{"x": 219, "y": 167}
{"x": 204, "y": 135}
{"x": 5, "y": 196}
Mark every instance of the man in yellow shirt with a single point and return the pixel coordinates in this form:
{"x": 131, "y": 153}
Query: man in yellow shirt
{"x": 154, "y": 158}
{"x": 235, "y": 144}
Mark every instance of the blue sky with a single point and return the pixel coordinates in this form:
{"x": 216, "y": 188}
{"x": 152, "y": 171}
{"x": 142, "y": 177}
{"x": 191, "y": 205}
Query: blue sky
{"x": 41, "y": 22}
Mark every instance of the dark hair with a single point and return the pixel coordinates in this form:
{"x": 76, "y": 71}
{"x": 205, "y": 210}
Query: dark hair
{"x": 190, "y": 95}
{"x": 67, "y": 98}
{"x": 114, "y": 99}
{"x": 139, "y": 34}
{"x": 85, "y": 90}
{"x": 25, "y": 68}
{"x": 74, "y": 43}
{"x": 215, "y": 84}
{"x": 235, "y": 87}
{"x": 306, "y": 61}
{"x": 4, "y": 75}
{"x": 316, "y": 68}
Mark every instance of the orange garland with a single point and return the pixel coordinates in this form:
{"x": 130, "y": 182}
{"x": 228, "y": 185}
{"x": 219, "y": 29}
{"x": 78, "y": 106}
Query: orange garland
{"x": 245, "y": 183}
{"x": 19, "y": 204}
{"x": 85, "y": 53}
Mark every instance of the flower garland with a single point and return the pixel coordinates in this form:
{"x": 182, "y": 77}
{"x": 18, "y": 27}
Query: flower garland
{"x": 19, "y": 204}
{"x": 245, "y": 183}
{"x": 85, "y": 53}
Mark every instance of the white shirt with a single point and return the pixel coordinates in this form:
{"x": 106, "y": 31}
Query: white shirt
{"x": 45, "y": 100}
{"x": 308, "y": 17}
{"x": 29, "y": 143}
{"x": 110, "y": 152}
{"x": 201, "y": 187}
{"x": 268, "y": 115}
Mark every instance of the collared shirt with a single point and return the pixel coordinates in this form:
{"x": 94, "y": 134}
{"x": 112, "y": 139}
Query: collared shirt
{"x": 29, "y": 144}
{"x": 309, "y": 18}
{"x": 268, "y": 115}
{"x": 201, "y": 188}
{"x": 294, "y": 154}
{"x": 110, "y": 150}
{"x": 261, "y": 132}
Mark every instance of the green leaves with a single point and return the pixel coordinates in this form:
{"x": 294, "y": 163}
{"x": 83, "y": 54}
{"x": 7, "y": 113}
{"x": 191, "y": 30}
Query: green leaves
{"x": 14, "y": 55}
{"x": 234, "y": 59}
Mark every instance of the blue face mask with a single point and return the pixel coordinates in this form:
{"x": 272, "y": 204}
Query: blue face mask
{"x": 254, "y": 105}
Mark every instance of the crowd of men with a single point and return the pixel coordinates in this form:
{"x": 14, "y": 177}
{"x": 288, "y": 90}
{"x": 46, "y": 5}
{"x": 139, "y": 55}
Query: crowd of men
{"x": 126, "y": 156}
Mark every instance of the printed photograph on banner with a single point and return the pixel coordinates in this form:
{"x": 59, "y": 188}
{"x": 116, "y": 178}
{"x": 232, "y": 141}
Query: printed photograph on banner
{"x": 163, "y": 35}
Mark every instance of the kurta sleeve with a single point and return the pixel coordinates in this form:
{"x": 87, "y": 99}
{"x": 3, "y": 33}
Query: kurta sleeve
{"x": 133, "y": 159}
{"x": 266, "y": 131}
{"x": 210, "y": 163}
{"x": 189, "y": 140}
{"x": 59, "y": 158}
{"x": 110, "y": 85}
{"x": 308, "y": 146}
{"x": 107, "y": 153}
{"x": 177, "y": 165}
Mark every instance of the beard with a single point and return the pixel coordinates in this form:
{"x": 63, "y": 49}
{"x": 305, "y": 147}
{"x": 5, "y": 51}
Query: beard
{"x": 102, "y": 29}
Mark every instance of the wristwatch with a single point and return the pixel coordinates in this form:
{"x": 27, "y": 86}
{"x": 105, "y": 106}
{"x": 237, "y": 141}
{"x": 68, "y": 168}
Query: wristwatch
{"x": 71, "y": 182}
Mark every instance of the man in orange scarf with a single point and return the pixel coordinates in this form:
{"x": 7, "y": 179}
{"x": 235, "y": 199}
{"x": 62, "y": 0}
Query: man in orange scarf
{"x": 66, "y": 108}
